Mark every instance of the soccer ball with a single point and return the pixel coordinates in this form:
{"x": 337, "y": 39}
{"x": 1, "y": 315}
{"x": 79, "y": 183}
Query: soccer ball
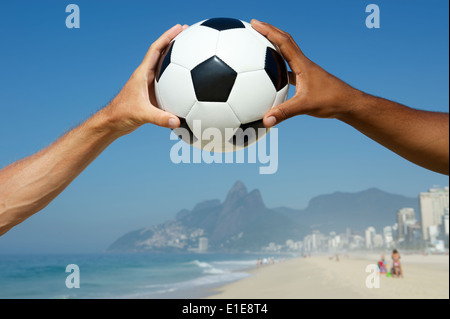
{"x": 221, "y": 73}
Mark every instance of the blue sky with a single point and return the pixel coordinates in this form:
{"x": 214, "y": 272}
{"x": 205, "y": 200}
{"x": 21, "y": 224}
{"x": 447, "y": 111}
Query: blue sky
{"x": 52, "y": 78}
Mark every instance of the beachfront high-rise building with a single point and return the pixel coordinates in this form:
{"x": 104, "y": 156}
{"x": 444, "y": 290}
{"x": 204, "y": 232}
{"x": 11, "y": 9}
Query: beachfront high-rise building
{"x": 433, "y": 233}
{"x": 357, "y": 242}
{"x": 405, "y": 217}
{"x": 334, "y": 241}
{"x": 388, "y": 237}
{"x": 377, "y": 241}
{"x": 370, "y": 234}
{"x": 432, "y": 207}
{"x": 414, "y": 235}
{"x": 307, "y": 243}
{"x": 316, "y": 240}
{"x": 444, "y": 227}
{"x": 445, "y": 222}
{"x": 395, "y": 230}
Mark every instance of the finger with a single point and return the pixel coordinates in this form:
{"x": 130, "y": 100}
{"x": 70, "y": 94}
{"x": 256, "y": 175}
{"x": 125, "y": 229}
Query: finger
{"x": 281, "y": 112}
{"x": 162, "y": 118}
{"x": 154, "y": 53}
{"x": 290, "y": 50}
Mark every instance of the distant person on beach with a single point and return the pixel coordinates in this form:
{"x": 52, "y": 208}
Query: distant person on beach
{"x": 397, "y": 270}
{"x": 382, "y": 266}
{"x": 334, "y": 256}
{"x": 30, "y": 184}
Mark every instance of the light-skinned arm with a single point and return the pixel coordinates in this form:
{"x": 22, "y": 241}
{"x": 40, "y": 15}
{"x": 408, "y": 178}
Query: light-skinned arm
{"x": 421, "y": 137}
{"x": 29, "y": 185}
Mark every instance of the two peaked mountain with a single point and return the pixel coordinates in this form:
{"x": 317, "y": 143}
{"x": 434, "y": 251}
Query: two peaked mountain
{"x": 243, "y": 223}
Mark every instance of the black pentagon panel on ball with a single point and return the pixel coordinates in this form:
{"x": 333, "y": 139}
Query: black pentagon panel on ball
{"x": 213, "y": 80}
{"x": 276, "y": 69}
{"x": 164, "y": 61}
{"x": 221, "y": 24}
{"x": 182, "y": 130}
{"x": 247, "y": 133}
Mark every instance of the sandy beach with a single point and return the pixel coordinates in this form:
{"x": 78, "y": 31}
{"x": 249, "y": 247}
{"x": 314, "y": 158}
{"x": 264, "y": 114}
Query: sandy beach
{"x": 320, "y": 277}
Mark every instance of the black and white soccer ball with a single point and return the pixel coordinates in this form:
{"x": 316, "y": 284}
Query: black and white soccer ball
{"x": 221, "y": 73}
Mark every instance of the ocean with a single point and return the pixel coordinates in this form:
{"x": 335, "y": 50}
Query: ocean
{"x": 104, "y": 275}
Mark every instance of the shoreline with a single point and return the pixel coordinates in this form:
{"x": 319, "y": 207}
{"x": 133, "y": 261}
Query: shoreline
{"x": 319, "y": 277}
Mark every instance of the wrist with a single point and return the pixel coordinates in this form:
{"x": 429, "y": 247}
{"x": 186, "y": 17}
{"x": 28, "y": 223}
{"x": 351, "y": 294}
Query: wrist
{"x": 351, "y": 104}
{"x": 117, "y": 118}
{"x": 104, "y": 123}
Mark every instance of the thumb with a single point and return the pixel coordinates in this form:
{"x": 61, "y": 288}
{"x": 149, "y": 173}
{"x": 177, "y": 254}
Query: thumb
{"x": 162, "y": 118}
{"x": 281, "y": 112}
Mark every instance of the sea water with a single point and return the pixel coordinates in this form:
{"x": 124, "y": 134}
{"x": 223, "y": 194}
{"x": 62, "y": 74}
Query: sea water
{"x": 140, "y": 275}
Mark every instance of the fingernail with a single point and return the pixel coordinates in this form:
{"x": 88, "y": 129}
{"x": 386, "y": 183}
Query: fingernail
{"x": 270, "y": 121}
{"x": 173, "y": 122}
{"x": 255, "y": 21}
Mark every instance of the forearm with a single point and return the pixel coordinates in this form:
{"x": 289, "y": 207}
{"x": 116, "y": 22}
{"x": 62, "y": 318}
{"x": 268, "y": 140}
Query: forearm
{"x": 29, "y": 185}
{"x": 32, "y": 183}
{"x": 419, "y": 136}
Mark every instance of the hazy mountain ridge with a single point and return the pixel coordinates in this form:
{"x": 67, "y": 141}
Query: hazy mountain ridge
{"x": 337, "y": 211}
{"x": 243, "y": 222}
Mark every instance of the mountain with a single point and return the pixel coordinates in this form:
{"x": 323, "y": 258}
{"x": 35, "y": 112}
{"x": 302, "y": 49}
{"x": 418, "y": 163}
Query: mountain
{"x": 241, "y": 222}
{"x": 337, "y": 211}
